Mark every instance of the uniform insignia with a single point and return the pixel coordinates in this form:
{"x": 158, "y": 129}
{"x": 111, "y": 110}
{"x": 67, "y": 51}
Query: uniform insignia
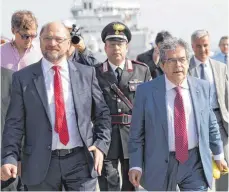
{"x": 135, "y": 81}
{"x": 118, "y": 27}
{"x": 132, "y": 88}
{"x": 138, "y": 62}
{"x": 105, "y": 66}
{"x": 129, "y": 66}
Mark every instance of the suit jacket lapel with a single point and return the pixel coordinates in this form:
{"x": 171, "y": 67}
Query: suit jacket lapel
{"x": 216, "y": 77}
{"x": 41, "y": 89}
{"x": 192, "y": 68}
{"x": 195, "y": 95}
{"x": 159, "y": 94}
{"x": 75, "y": 85}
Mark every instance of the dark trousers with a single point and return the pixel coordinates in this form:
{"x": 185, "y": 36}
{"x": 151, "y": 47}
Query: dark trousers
{"x": 110, "y": 179}
{"x": 70, "y": 171}
{"x": 188, "y": 176}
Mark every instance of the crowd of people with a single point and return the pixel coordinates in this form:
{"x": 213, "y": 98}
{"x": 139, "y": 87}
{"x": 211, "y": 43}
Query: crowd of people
{"x": 68, "y": 119}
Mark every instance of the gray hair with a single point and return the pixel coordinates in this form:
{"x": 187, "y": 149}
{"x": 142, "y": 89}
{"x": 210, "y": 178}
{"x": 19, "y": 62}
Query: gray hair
{"x": 171, "y": 44}
{"x": 199, "y": 34}
{"x": 23, "y": 20}
{"x": 222, "y": 38}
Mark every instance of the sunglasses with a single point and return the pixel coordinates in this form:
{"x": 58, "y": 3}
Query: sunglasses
{"x": 26, "y": 36}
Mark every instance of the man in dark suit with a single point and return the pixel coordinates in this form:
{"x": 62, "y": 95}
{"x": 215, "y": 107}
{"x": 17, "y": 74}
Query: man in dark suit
{"x": 152, "y": 57}
{"x": 216, "y": 73}
{"x": 52, "y": 104}
{"x": 6, "y": 79}
{"x": 126, "y": 75}
{"x": 173, "y": 127}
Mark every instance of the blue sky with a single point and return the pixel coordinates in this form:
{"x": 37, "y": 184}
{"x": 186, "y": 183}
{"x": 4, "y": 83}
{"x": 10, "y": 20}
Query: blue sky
{"x": 181, "y": 17}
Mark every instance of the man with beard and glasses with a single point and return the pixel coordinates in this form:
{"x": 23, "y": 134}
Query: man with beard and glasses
{"x": 52, "y": 102}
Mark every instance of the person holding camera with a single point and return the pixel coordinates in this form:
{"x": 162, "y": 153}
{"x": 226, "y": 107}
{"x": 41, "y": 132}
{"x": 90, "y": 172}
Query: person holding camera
{"x": 78, "y": 51}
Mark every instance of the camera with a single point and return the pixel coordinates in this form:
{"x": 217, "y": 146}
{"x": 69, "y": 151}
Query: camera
{"x": 75, "y": 34}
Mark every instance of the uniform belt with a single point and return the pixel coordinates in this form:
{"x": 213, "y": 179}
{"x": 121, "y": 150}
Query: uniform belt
{"x": 122, "y": 119}
{"x": 216, "y": 109}
{"x": 64, "y": 152}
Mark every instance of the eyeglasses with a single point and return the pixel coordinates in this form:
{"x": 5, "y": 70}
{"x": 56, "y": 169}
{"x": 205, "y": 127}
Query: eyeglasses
{"x": 174, "y": 61}
{"x": 57, "y": 39}
{"x": 26, "y": 36}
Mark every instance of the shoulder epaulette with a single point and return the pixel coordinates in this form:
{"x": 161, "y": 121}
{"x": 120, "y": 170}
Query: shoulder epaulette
{"x": 138, "y": 62}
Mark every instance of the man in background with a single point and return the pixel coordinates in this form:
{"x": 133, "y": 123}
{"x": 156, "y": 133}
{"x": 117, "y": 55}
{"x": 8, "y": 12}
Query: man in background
{"x": 223, "y": 55}
{"x": 152, "y": 57}
{"x": 215, "y": 72}
{"x": 6, "y": 79}
{"x": 22, "y": 50}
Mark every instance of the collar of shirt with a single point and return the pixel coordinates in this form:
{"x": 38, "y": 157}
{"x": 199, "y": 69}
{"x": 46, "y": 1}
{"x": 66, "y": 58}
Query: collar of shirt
{"x": 47, "y": 65}
{"x": 114, "y": 67}
{"x": 198, "y": 62}
{"x": 222, "y": 54}
{"x": 27, "y": 50}
{"x": 169, "y": 85}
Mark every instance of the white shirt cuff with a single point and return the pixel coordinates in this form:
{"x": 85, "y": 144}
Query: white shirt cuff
{"x": 218, "y": 157}
{"x": 136, "y": 168}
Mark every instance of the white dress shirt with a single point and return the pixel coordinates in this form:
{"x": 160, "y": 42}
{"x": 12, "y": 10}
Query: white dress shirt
{"x": 189, "y": 114}
{"x": 74, "y": 137}
{"x": 114, "y": 67}
{"x": 210, "y": 77}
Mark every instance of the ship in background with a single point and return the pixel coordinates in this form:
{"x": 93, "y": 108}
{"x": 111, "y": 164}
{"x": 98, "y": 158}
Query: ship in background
{"x": 93, "y": 15}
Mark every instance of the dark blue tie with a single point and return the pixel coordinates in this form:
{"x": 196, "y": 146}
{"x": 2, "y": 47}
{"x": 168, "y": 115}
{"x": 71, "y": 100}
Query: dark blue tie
{"x": 226, "y": 59}
{"x": 203, "y": 74}
{"x": 119, "y": 73}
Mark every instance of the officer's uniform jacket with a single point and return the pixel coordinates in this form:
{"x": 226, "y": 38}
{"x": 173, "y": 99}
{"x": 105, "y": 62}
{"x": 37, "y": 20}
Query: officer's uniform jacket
{"x": 133, "y": 74}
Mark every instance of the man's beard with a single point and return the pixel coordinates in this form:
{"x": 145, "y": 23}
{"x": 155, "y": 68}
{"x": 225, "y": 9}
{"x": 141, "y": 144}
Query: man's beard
{"x": 53, "y": 58}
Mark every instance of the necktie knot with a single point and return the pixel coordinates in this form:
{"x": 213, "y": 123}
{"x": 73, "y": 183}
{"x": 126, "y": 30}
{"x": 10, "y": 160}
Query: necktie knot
{"x": 118, "y": 70}
{"x": 56, "y": 68}
{"x": 178, "y": 89}
{"x": 203, "y": 65}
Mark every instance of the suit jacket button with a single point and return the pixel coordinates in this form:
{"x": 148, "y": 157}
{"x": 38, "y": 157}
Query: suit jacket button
{"x": 119, "y": 110}
{"x": 166, "y": 161}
